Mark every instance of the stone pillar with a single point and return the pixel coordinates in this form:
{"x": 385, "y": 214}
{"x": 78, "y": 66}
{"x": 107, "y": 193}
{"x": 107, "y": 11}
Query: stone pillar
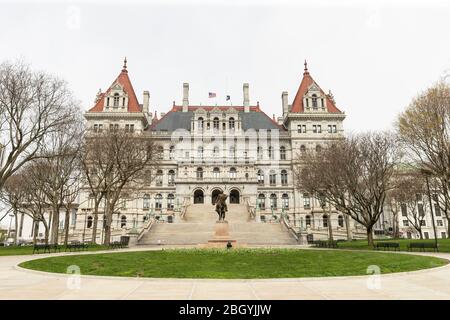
{"x": 246, "y": 98}
{"x": 185, "y": 96}
{"x": 284, "y": 102}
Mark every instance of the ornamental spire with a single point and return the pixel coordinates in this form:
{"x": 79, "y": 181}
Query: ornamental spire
{"x": 306, "y": 68}
{"x": 124, "y": 69}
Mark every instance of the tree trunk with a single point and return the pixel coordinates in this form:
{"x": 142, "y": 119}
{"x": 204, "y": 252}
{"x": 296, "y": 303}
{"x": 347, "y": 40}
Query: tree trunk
{"x": 16, "y": 227}
{"x": 370, "y": 236}
{"x": 35, "y": 230}
{"x": 95, "y": 223}
{"x": 66, "y": 225}
{"x": 330, "y": 228}
{"x": 347, "y": 227}
{"x": 22, "y": 216}
{"x": 47, "y": 231}
{"x": 55, "y": 224}
{"x": 108, "y": 222}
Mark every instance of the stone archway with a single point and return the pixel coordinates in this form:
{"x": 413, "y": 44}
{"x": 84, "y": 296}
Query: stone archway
{"x": 199, "y": 196}
{"x": 234, "y": 196}
{"x": 214, "y": 195}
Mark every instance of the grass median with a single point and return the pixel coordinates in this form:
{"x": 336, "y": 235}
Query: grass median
{"x": 235, "y": 263}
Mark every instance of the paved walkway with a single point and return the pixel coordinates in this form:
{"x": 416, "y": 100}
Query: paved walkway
{"x": 17, "y": 283}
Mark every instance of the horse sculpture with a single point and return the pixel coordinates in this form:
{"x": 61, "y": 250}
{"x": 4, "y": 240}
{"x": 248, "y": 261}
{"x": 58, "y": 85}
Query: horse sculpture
{"x": 221, "y": 206}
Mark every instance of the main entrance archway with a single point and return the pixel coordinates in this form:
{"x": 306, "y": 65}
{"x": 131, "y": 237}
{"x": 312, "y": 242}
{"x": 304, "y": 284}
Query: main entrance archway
{"x": 234, "y": 196}
{"x": 214, "y": 195}
{"x": 199, "y": 196}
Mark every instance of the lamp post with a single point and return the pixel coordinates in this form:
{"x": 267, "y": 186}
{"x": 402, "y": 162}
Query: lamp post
{"x": 427, "y": 172}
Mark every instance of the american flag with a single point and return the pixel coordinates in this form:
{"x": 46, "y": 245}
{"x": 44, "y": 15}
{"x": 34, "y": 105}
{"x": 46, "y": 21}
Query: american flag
{"x": 211, "y": 95}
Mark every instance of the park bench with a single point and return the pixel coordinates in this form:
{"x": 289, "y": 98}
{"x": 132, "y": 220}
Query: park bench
{"x": 387, "y": 245}
{"x": 422, "y": 246}
{"x": 46, "y": 248}
{"x": 76, "y": 246}
{"x": 325, "y": 244}
{"x": 123, "y": 243}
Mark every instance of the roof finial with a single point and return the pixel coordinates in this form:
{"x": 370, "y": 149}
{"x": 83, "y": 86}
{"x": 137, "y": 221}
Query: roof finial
{"x": 306, "y": 67}
{"x": 124, "y": 64}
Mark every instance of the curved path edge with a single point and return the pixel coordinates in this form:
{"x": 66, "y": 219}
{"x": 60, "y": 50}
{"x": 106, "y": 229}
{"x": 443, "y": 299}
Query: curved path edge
{"x": 20, "y": 283}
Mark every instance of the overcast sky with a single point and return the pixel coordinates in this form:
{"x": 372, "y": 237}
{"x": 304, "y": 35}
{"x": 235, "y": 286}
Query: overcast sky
{"x": 374, "y": 57}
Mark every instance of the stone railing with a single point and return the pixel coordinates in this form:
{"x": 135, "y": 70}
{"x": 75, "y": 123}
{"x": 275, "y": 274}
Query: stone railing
{"x": 289, "y": 228}
{"x": 146, "y": 228}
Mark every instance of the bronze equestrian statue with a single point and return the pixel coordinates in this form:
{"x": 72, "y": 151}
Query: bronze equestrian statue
{"x": 221, "y": 206}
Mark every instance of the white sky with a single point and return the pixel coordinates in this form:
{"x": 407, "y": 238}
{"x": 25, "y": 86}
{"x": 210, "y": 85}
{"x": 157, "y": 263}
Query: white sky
{"x": 374, "y": 56}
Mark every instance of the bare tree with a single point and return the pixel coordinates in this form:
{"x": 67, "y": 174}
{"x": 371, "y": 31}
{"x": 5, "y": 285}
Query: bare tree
{"x": 353, "y": 175}
{"x": 424, "y": 129}
{"x": 32, "y": 105}
{"x": 115, "y": 163}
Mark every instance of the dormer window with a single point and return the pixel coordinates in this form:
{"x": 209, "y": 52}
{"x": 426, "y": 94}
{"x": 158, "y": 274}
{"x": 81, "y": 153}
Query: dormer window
{"x": 314, "y": 101}
{"x": 116, "y": 100}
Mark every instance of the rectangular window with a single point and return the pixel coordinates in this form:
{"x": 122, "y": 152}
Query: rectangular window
{"x": 439, "y": 223}
{"x": 319, "y": 128}
{"x": 420, "y": 208}
{"x": 334, "y": 128}
{"x": 404, "y": 210}
{"x": 272, "y": 179}
{"x": 426, "y": 235}
{"x": 437, "y": 210}
{"x": 443, "y": 235}
{"x": 95, "y": 127}
{"x": 423, "y": 223}
{"x": 306, "y": 201}
{"x": 314, "y": 128}
{"x": 301, "y": 128}
{"x": 100, "y": 128}
{"x": 405, "y": 223}
{"x": 330, "y": 128}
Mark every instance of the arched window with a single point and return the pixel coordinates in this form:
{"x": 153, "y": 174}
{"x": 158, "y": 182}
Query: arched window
{"x": 272, "y": 178}
{"x": 146, "y": 202}
{"x": 233, "y": 173}
{"x": 216, "y": 123}
{"x": 89, "y": 222}
{"x": 170, "y": 198}
{"x": 123, "y": 221}
{"x": 260, "y": 177}
{"x": 116, "y": 99}
{"x": 325, "y": 221}
{"x": 273, "y": 201}
{"x": 216, "y": 172}
{"x": 159, "y": 177}
{"x": 282, "y": 153}
{"x": 199, "y": 173}
{"x": 302, "y": 148}
{"x": 200, "y": 123}
{"x": 314, "y": 101}
{"x": 318, "y": 148}
{"x": 284, "y": 177}
{"x": 171, "y": 152}
{"x": 308, "y": 220}
{"x": 171, "y": 181}
{"x": 261, "y": 201}
{"x": 341, "y": 221}
{"x": 285, "y": 201}
{"x": 231, "y": 123}
{"x": 158, "y": 202}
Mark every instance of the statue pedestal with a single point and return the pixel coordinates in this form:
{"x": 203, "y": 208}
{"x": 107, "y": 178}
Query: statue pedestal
{"x": 221, "y": 236}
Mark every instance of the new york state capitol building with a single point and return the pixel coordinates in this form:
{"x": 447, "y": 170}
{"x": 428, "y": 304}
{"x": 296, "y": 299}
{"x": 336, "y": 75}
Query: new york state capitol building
{"x": 207, "y": 149}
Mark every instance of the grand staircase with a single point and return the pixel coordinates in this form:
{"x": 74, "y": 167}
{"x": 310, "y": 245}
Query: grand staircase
{"x": 197, "y": 227}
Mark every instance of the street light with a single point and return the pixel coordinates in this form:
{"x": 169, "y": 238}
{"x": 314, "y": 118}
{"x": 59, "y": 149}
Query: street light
{"x": 427, "y": 172}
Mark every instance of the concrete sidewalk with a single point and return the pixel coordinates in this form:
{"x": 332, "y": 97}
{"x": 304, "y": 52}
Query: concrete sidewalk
{"x": 17, "y": 283}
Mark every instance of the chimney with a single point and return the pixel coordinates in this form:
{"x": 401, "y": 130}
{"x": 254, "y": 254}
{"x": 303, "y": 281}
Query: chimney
{"x": 284, "y": 101}
{"x": 246, "y": 98}
{"x": 280, "y": 120}
{"x": 185, "y": 96}
{"x": 146, "y": 102}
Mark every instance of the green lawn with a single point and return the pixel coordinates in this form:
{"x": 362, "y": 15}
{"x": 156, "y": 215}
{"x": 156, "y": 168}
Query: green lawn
{"x": 235, "y": 264}
{"x": 444, "y": 244}
{"x": 25, "y": 250}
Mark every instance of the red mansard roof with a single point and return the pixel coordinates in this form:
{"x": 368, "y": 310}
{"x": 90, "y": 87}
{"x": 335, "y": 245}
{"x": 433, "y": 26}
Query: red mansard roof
{"x": 307, "y": 81}
{"x": 124, "y": 81}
